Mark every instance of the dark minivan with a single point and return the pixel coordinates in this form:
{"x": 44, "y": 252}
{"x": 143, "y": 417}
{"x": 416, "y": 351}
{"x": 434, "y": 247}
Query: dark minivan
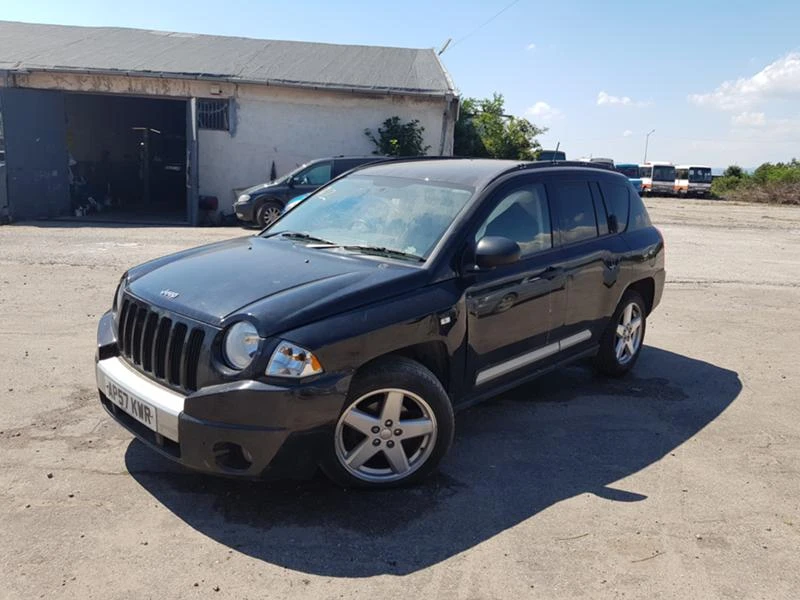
{"x": 345, "y": 336}
{"x": 262, "y": 204}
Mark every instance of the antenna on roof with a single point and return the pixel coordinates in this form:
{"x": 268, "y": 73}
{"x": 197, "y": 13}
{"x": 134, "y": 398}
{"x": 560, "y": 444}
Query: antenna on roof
{"x": 555, "y": 154}
{"x": 444, "y": 46}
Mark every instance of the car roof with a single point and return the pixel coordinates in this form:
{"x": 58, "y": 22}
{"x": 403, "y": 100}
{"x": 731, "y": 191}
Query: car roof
{"x": 472, "y": 172}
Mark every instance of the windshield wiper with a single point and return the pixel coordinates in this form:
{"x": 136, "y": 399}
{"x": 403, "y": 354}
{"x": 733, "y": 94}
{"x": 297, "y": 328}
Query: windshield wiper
{"x": 382, "y": 251}
{"x": 296, "y": 235}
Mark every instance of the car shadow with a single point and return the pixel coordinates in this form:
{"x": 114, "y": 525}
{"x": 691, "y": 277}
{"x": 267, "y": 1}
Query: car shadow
{"x": 568, "y": 433}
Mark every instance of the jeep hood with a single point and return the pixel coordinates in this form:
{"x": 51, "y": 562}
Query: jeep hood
{"x": 282, "y": 283}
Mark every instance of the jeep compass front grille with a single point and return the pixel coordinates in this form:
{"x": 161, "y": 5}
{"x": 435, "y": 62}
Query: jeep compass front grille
{"x": 160, "y": 346}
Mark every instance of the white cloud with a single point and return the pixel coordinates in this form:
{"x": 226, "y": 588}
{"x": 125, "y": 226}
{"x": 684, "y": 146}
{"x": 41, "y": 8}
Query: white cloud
{"x": 544, "y": 112}
{"x": 605, "y": 99}
{"x": 749, "y": 119}
{"x": 627, "y": 133}
{"x": 530, "y": 46}
{"x": 780, "y": 79}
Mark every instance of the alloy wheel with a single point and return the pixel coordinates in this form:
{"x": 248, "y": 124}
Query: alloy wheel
{"x": 385, "y": 435}
{"x": 628, "y": 337}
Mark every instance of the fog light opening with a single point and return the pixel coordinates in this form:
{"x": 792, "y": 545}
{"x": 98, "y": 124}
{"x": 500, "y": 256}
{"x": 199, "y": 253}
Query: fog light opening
{"x": 232, "y": 456}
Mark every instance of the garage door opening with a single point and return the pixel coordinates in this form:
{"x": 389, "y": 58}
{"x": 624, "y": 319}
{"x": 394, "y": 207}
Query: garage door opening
{"x": 127, "y": 157}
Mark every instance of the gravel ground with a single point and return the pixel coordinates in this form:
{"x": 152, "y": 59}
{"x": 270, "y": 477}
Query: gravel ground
{"x": 679, "y": 481}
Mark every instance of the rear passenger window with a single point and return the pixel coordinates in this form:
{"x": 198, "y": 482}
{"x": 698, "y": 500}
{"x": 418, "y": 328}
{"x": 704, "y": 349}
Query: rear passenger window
{"x": 617, "y": 198}
{"x": 576, "y": 219}
{"x": 521, "y": 215}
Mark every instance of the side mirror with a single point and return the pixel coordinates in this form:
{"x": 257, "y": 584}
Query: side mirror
{"x": 613, "y": 224}
{"x": 292, "y": 182}
{"x": 495, "y": 251}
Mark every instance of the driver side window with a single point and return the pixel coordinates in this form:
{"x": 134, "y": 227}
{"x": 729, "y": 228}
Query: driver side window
{"x": 315, "y": 175}
{"x": 521, "y": 215}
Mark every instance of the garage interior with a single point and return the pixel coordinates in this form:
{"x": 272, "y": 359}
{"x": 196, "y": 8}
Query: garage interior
{"x": 127, "y": 157}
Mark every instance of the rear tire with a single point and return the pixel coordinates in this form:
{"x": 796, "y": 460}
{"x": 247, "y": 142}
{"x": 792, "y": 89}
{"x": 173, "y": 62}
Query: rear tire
{"x": 268, "y": 213}
{"x": 396, "y": 426}
{"x": 623, "y": 339}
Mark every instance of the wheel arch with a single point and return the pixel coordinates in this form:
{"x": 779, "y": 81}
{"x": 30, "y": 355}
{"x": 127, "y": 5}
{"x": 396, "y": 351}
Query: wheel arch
{"x": 432, "y": 355}
{"x": 646, "y": 287}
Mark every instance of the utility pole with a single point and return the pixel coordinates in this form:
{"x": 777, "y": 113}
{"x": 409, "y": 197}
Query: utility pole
{"x": 646, "y": 140}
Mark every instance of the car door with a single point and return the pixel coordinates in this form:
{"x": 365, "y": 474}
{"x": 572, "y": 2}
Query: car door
{"x": 311, "y": 178}
{"x": 591, "y": 260}
{"x": 511, "y": 308}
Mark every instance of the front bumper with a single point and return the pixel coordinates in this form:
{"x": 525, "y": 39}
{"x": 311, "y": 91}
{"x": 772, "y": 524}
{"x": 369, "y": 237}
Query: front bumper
{"x": 245, "y": 211}
{"x": 248, "y": 429}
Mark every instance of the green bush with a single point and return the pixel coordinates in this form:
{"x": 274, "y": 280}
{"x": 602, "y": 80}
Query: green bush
{"x": 777, "y": 183}
{"x": 396, "y": 138}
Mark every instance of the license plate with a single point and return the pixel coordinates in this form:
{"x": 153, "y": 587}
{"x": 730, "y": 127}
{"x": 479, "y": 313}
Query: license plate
{"x": 136, "y": 407}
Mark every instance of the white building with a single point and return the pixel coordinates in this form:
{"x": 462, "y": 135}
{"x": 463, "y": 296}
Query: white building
{"x": 150, "y": 124}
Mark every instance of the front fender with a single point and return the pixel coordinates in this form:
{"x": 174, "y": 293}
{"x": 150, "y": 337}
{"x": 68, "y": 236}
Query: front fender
{"x": 345, "y": 342}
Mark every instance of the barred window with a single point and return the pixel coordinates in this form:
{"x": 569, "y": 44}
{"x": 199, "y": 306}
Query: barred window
{"x": 213, "y": 114}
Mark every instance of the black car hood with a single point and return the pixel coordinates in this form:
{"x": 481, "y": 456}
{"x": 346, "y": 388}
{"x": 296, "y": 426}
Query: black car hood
{"x": 258, "y": 188}
{"x": 281, "y": 283}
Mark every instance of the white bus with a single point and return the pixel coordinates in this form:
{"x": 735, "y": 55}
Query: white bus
{"x": 692, "y": 180}
{"x": 657, "y": 178}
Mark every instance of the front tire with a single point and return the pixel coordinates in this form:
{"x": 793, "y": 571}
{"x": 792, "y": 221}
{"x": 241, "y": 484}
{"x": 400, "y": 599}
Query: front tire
{"x": 396, "y": 426}
{"x": 268, "y": 213}
{"x": 623, "y": 339}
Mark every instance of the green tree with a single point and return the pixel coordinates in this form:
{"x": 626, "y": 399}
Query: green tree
{"x": 396, "y": 138}
{"x": 733, "y": 171}
{"x": 483, "y": 130}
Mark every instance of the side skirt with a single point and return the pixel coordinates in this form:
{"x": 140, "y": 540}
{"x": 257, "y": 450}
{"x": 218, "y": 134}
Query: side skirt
{"x": 499, "y": 389}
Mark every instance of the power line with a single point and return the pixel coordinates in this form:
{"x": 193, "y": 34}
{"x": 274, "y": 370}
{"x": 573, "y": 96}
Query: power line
{"x": 484, "y": 24}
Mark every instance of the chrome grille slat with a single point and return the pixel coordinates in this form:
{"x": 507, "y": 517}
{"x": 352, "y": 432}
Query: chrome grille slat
{"x": 160, "y": 346}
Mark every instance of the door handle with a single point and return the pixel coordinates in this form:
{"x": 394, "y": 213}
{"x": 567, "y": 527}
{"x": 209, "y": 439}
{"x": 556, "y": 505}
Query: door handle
{"x": 552, "y": 272}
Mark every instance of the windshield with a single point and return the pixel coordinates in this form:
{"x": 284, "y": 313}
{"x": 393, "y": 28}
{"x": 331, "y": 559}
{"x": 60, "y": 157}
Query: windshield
{"x": 393, "y": 213}
{"x": 699, "y": 175}
{"x": 663, "y": 173}
{"x": 645, "y": 171}
{"x": 630, "y": 171}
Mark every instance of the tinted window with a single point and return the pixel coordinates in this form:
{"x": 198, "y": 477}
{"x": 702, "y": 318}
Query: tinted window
{"x": 576, "y": 219}
{"x": 645, "y": 171}
{"x": 663, "y": 173}
{"x": 638, "y": 218}
{"x": 699, "y": 175}
{"x": 630, "y": 171}
{"x": 617, "y": 199}
{"x": 523, "y": 216}
{"x": 599, "y": 210}
{"x": 340, "y": 165}
{"x": 315, "y": 175}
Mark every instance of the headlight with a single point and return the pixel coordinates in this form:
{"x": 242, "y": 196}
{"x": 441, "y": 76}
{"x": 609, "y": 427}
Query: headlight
{"x": 240, "y": 345}
{"x": 290, "y": 360}
{"x": 244, "y": 198}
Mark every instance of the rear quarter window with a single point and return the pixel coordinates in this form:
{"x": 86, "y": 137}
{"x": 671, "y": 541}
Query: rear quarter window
{"x": 638, "y": 219}
{"x": 617, "y": 199}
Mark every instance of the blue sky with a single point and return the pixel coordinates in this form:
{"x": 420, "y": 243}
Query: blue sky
{"x": 718, "y": 81}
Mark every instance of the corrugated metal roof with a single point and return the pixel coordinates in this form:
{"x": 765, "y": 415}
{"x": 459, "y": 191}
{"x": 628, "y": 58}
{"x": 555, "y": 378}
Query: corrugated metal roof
{"x": 136, "y": 51}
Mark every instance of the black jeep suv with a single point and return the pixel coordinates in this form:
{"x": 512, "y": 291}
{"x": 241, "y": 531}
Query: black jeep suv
{"x": 346, "y": 334}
